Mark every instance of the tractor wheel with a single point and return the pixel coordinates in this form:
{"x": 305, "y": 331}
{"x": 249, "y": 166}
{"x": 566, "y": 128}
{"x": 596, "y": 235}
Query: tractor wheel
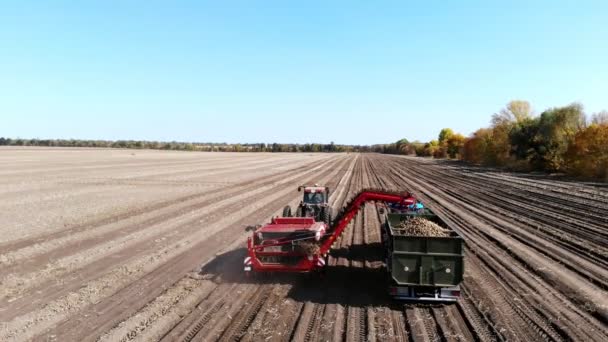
{"x": 327, "y": 216}
{"x": 299, "y": 212}
{"x": 287, "y": 211}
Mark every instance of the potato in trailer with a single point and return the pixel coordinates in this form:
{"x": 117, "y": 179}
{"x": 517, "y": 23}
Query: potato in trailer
{"x": 423, "y": 268}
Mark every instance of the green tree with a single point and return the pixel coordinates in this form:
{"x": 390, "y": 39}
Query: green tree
{"x": 502, "y": 124}
{"x": 445, "y": 134}
{"x": 557, "y": 129}
{"x": 455, "y": 144}
{"x": 525, "y": 142}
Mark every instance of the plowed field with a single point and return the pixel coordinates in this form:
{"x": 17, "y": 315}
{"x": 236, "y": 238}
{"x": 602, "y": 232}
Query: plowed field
{"x": 121, "y": 245}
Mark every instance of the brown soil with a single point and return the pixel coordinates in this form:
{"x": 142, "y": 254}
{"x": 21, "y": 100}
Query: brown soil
{"x": 103, "y": 245}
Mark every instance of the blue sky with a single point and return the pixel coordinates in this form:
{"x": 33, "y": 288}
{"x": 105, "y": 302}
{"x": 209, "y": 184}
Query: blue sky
{"x": 355, "y": 72}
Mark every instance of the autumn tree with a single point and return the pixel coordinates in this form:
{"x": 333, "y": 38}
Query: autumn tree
{"x": 455, "y": 144}
{"x": 587, "y": 156}
{"x": 502, "y": 124}
{"x": 448, "y": 144}
{"x": 403, "y": 146}
{"x": 557, "y": 129}
{"x": 430, "y": 148}
{"x": 479, "y": 148}
{"x": 515, "y": 111}
{"x": 525, "y": 142}
{"x": 445, "y": 134}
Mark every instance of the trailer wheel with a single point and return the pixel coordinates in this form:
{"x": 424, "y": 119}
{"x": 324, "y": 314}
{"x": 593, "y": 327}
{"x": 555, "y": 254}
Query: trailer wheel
{"x": 327, "y": 216}
{"x": 287, "y": 211}
{"x": 299, "y": 211}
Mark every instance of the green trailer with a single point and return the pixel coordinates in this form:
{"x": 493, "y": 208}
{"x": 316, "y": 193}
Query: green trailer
{"x": 423, "y": 268}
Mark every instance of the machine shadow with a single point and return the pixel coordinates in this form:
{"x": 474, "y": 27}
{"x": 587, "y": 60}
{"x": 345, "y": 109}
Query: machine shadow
{"x": 347, "y": 286}
{"x": 228, "y": 268}
{"x": 373, "y": 252}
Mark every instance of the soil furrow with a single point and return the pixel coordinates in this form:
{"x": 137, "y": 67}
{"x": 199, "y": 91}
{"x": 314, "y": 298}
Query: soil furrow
{"x": 535, "y": 252}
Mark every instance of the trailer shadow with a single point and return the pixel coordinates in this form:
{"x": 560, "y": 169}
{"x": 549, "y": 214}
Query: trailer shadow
{"x": 347, "y": 286}
{"x": 373, "y": 252}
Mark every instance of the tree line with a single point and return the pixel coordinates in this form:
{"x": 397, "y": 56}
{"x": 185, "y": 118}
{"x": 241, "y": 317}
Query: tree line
{"x": 560, "y": 139}
{"x": 186, "y": 146}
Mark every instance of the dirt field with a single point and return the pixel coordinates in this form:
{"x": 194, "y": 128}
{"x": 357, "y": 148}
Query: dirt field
{"x": 121, "y": 245}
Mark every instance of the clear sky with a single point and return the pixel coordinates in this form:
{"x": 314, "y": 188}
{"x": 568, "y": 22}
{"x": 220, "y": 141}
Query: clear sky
{"x": 355, "y": 72}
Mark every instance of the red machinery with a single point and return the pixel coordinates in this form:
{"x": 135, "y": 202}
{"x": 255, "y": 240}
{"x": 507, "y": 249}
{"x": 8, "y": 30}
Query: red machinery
{"x": 300, "y": 244}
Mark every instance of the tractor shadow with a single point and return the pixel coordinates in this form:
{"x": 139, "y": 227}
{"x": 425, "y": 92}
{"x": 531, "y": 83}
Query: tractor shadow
{"x": 355, "y": 285}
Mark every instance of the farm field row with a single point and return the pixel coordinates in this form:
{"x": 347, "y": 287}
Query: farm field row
{"x": 108, "y": 245}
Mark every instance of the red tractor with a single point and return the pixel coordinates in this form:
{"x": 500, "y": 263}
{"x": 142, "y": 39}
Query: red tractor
{"x": 424, "y": 268}
{"x": 314, "y": 204}
{"x": 301, "y": 244}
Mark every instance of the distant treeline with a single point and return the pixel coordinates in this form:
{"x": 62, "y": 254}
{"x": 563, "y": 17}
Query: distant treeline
{"x": 183, "y": 146}
{"x": 560, "y": 139}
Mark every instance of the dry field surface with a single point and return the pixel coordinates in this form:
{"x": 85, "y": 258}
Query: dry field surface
{"x": 122, "y": 245}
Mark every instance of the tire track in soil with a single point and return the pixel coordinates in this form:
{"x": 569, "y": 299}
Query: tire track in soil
{"x": 504, "y": 318}
{"x": 61, "y": 246}
{"x": 561, "y": 215}
{"x": 305, "y": 309}
{"x": 246, "y": 220}
{"x": 385, "y": 318}
{"x": 291, "y": 307}
{"x": 310, "y": 323}
{"x": 201, "y": 315}
{"x": 276, "y": 319}
{"x": 545, "y": 288}
{"x": 54, "y": 289}
{"x": 529, "y": 307}
{"x": 502, "y": 298}
{"x": 351, "y": 317}
{"x": 239, "y": 319}
{"x": 409, "y": 321}
{"x": 421, "y": 325}
{"x": 78, "y": 328}
{"x": 264, "y": 287}
{"x": 556, "y": 252}
{"x": 236, "y": 328}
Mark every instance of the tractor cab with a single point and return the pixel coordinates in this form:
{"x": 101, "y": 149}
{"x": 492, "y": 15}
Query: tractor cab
{"x": 315, "y": 203}
{"x": 315, "y": 195}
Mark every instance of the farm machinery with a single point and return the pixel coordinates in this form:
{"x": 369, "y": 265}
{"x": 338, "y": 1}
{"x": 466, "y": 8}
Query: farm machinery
{"x": 418, "y": 267}
{"x": 315, "y": 203}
